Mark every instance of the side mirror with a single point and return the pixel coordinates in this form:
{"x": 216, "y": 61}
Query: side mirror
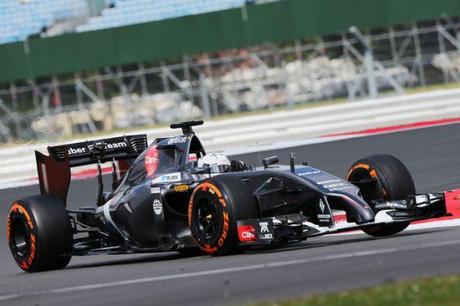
{"x": 268, "y": 161}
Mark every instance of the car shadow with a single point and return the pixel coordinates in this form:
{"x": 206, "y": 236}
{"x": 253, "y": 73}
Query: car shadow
{"x": 162, "y": 257}
{"x": 318, "y": 244}
{"x": 154, "y": 257}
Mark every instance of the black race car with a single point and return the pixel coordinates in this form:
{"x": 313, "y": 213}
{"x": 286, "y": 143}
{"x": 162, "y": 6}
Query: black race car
{"x": 172, "y": 196}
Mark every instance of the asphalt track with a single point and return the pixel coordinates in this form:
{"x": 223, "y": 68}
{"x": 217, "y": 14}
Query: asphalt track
{"x": 318, "y": 265}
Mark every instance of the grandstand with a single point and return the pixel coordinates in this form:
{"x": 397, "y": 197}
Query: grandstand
{"x": 20, "y": 19}
{"x": 127, "y": 12}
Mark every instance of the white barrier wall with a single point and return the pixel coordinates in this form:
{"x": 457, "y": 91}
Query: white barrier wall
{"x": 274, "y": 130}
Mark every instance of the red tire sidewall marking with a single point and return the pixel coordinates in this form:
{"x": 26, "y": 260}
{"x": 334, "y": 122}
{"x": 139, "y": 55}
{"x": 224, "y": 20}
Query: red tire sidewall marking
{"x": 19, "y": 211}
{"x": 214, "y": 190}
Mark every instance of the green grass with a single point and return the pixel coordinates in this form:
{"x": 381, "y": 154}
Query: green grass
{"x": 438, "y": 291}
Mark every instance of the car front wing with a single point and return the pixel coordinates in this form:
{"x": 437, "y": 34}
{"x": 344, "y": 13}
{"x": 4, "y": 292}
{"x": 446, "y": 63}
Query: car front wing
{"x": 297, "y": 227}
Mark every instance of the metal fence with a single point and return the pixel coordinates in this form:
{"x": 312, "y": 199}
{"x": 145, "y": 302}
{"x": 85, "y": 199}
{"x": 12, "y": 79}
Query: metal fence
{"x": 355, "y": 64}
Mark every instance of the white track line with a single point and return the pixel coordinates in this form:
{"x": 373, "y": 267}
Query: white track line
{"x": 413, "y": 227}
{"x": 225, "y": 270}
{"x": 27, "y": 181}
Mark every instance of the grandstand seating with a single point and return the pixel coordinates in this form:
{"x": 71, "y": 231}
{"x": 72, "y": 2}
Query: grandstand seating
{"x": 20, "y": 19}
{"x": 127, "y": 12}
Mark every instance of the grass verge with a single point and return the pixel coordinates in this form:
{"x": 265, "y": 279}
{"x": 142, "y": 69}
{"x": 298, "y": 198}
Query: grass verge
{"x": 437, "y": 291}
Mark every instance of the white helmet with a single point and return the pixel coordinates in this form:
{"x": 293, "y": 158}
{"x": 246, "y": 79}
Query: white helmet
{"x": 217, "y": 162}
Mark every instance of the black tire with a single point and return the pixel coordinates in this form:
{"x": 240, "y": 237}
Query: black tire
{"x": 39, "y": 233}
{"x": 393, "y": 182}
{"x": 215, "y": 206}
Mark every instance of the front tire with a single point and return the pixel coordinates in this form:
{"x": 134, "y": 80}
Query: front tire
{"x": 39, "y": 233}
{"x": 214, "y": 208}
{"x": 390, "y": 181}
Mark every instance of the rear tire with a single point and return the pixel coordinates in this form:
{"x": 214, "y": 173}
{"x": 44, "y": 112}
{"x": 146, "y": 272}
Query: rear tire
{"x": 39, "y": 233}
{"x": 214, "y": 208}
{"x": 392, "y": 182}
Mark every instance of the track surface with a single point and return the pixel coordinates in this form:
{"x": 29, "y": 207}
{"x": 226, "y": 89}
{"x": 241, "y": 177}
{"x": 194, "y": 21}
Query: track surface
{"x": 318, "y": 265}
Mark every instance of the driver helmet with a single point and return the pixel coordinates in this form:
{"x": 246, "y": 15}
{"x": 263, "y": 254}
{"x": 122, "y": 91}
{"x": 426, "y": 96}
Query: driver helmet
{"x": 217, "y": 162}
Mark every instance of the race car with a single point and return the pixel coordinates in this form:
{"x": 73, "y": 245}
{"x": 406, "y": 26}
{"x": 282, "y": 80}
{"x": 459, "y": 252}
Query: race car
{"x": 173, "y": 196}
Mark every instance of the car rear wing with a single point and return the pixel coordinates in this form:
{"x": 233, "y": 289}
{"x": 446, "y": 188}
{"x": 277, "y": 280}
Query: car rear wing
{"x": 102, "y": 150}
{"x": 54, "y": 173}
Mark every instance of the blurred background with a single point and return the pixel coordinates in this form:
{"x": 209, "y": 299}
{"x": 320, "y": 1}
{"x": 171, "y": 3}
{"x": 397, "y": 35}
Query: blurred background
{"x": 81, "y": 66}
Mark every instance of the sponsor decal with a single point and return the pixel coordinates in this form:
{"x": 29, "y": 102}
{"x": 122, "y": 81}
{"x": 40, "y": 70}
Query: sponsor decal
{"x": 321, "y": 205}
{"x": 177, "y": 140}
{"x": 396, "y": 204}
{"x": 157, "y": 207}
{"x": 116, "y": 145}
{"x": 246, "y": 233}
{"x": 110, "y": 146}
{"x": 324, "y": 215}
{"x": 268, "y": 236}
{"x": 172, "y": 177}
{"x": 265, "y": 231}
{"x": 152, "y": 160}
{"x": 309, "y": 173}
{"x": 180, "y": 188}
{"x": 86, "y": 149}
{"x": 74, "y": 151}
{"x": 335, "y": 184}
{"x": 168, "y": 178}
{"x": 155, "y": 190}
{"x": 264, "y": 227}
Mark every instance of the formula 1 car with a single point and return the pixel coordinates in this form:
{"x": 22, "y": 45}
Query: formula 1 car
{"x": 172, "y": 196}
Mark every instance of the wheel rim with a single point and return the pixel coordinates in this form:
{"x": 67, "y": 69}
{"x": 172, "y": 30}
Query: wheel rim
{"x": 206, "y": 219}
{"x": 374, "y": 191}
{"x": 19, "y": 237}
